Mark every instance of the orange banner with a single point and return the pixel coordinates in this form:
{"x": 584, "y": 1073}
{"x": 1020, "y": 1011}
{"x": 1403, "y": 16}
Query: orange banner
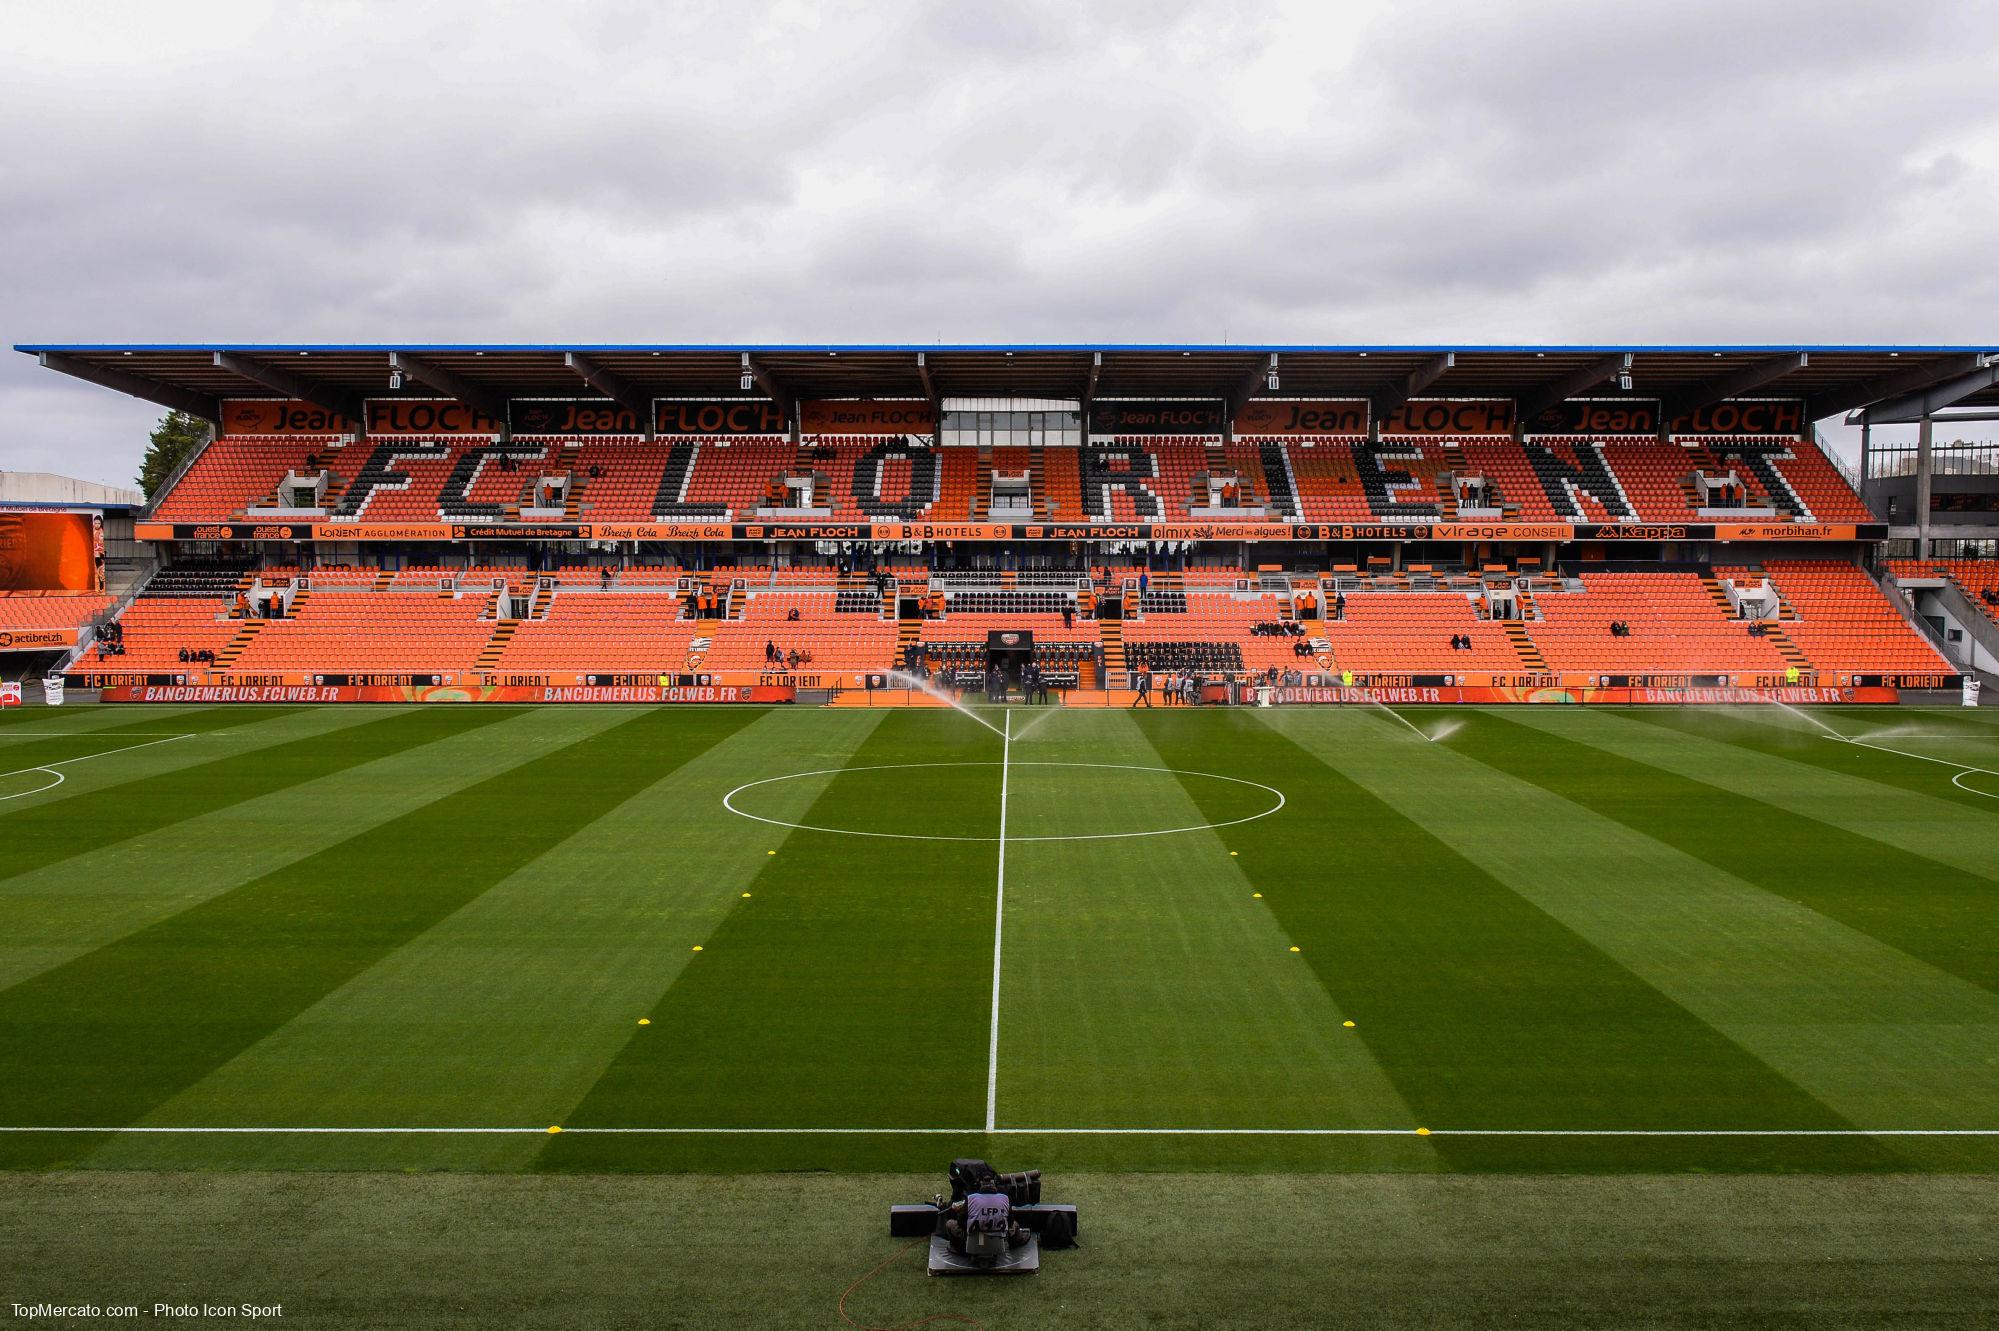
{"x": 29, "y": 640}
{"x": 867, "y": 417}
{"x": 1450, "y": 416}
{"x": 1784, "y": 416}
{"x": 1331, "y": 417}
{"x": 280, "y": 416}
{"x": 722, "y": 416}
{"x": 426, "y": 416}
{"x": 1785, "y": 531}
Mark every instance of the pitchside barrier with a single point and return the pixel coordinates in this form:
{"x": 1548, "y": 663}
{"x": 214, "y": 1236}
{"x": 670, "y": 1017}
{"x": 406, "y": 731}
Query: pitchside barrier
{"x": 1310, "y": 694}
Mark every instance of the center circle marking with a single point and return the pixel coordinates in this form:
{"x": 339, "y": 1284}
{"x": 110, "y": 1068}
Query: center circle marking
{"x": 729, "y": 802}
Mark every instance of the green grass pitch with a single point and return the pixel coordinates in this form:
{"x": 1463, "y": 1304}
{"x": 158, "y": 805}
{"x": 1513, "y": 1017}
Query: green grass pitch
{"x": 1599, "y": 942}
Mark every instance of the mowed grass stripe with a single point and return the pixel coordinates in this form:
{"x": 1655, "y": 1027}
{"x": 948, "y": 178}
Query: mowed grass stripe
{"x": 849, "y": 990}
{"x": 1145, "y": 986}
{"x": 1776, "y": 824}
{"x": 109, "y": 1037}
{"x": 24, "y": 754}
{"x": 1484, "y": 1009}
{"x": 1793, "y": 735}
{"x": 1872, "y": 1034}
{"x": 262, "y": 754}
{"x": 506, "y": 1011}
{"x": 22, "y": 724}
{"x": 54, "y": 914}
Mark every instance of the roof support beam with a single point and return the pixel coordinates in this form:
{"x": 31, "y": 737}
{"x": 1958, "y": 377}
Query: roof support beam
{"x": 1579, "y": 380}
{"x": 296, "y": 386}
{"x": 616, "y": 387}
{"x": 1896, "y": 383}
{"x": 923, "y": 373}
{"x": 137, "y": 385}
{"x": 764, "y": 379}
{"x": 476, "y": 396}
{"x": 1927, "y": 402}
{"x": 1096, "y": 368}
{"x": 1245, "y": 388}
{"x": 1733, "y": 384}
{"x": 1388, "y": 398}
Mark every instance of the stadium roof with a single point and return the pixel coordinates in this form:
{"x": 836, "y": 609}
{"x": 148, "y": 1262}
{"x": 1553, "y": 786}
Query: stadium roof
{"x": 1892, "y": 382}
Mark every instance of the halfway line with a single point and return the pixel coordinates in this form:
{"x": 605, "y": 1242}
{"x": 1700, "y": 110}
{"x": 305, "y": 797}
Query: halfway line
{"x": 1029, "y": 1132}
{"x": 999, "y": 915}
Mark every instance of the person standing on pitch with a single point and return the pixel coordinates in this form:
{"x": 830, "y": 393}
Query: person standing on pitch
{"x": 1142, "y": 681}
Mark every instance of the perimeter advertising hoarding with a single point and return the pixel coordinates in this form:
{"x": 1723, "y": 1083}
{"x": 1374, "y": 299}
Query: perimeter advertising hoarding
{"x": 1312, "y": 532}
{"x": 1298, "y": 695}
{"x": 451, "y": 693}
{"x": 42, "y": 551}
{"x": 1790, "y": 694}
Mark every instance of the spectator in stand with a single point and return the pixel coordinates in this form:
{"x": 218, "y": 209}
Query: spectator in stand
{"x": 1340, "y": 606}
{"x": 1069, "y": 614}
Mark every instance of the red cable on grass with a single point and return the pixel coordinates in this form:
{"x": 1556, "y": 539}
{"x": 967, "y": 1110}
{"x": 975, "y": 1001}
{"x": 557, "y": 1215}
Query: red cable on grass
{"x": 841, "y": 1306}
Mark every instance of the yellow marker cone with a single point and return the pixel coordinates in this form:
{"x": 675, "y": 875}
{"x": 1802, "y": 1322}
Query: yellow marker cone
{"x": 1232, "y": 855}
{"x": 697, "y": 947}
{"x": 1422, "y": 1132}
{"x": 555, "y": 1127}
{"x": 770, "y": 852}
{"x": 1346, "y": 1023}
{"x": 647, "y": 1021}
{"x": 746, "y": 896}
{"x": 1294, "y": 949}
{"x": 1257, "y": 895}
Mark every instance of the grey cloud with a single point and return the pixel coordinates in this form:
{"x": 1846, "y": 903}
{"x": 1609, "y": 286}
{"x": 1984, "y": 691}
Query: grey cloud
{"x": 1137, "y": 171}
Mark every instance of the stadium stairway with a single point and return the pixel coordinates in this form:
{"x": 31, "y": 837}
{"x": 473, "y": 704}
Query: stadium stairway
{"x": 1524, "y": 648}
{"x": 1716, "y": 591}
{"x": 1789, "y": 650}
{"x": 1112, "y": 631}
{"x": 489, "y": 656}
{"x": 232, "y": 649}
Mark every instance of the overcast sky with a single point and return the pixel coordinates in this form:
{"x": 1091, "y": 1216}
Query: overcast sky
{"x": 1148, "y": 171}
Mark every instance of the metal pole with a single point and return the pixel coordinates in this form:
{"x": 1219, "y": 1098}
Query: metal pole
{"x": 1924, "y": 461}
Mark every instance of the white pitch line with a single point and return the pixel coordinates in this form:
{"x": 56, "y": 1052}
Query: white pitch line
{"x": 999, "y": 916}
{"x": 1013, "y": 1132}
{"x": 1962, "y": 768}
{"x": 50, "y": 768}
{"x": 99, "y": 734}
{"x": 84, "y": 758}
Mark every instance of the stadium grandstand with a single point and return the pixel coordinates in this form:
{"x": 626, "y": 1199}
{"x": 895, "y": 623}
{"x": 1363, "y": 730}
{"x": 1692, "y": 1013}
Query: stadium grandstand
{"x": 821, "y": 523}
